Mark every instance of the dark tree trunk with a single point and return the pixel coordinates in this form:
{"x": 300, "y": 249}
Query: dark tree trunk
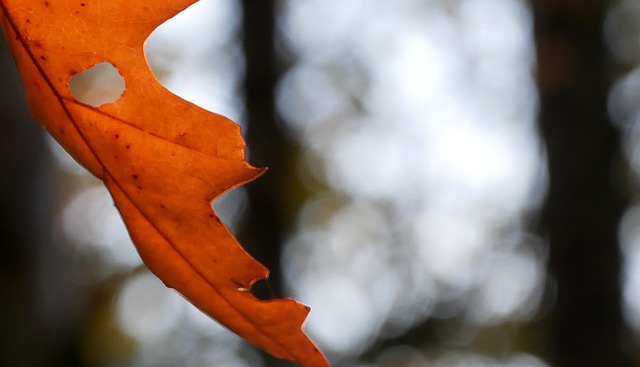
{"x": 30, "y": 333}
{"x": 263, "y": 232}
{"x": 583, "y": 206}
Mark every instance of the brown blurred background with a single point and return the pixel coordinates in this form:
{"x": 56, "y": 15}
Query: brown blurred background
{"x": 451, "y": 183}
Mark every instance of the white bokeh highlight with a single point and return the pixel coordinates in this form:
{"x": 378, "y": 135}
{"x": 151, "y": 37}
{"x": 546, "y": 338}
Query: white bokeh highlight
{"x": 420, "y": 118}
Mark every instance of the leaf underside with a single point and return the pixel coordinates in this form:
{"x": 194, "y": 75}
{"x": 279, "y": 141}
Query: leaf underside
{"x": 163, "y": 159}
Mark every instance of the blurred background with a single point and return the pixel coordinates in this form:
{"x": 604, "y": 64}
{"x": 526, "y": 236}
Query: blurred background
{"x": 451, "y": 183}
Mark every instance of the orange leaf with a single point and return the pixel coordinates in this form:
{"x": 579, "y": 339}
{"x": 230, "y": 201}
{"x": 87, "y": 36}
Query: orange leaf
{"x": 162, "y": 158}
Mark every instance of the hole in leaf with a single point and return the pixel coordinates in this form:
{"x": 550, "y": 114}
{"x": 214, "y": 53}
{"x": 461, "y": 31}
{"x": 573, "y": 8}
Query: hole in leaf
{"x": 98, "y": 85}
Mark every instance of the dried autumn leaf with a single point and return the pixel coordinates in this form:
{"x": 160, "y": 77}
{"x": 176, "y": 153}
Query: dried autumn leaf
{"x": 162, "y": 158}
